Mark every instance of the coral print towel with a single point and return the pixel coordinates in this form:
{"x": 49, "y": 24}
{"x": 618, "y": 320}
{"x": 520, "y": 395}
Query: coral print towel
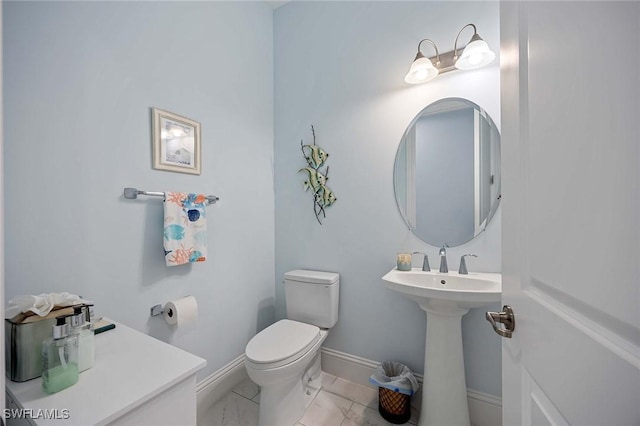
{"x": 185, "y": 228}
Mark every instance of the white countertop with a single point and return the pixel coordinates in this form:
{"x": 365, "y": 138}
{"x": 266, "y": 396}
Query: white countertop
{"x": 130, "y": 369}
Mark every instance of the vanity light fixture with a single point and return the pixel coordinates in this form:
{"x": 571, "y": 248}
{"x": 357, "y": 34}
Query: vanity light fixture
{"x": 422, "y": 69}
{"x": 475, "y": 55}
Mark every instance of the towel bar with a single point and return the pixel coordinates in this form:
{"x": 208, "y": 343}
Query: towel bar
{"x": 132, "y": 194}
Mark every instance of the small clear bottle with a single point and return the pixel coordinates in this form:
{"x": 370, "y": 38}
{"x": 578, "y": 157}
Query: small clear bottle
{"x": 82, "y": 329}
{"x": 59, "y": 358}
{"x": 90, "y": 318}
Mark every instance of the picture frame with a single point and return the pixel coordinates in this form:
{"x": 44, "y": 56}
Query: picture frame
{"x": 176, "y": 143}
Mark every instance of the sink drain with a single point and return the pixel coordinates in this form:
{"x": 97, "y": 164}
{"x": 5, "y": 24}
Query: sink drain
{"x": 443, "y": 282}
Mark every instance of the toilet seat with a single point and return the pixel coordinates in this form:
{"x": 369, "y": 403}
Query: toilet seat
{"x": 281, "y": 343}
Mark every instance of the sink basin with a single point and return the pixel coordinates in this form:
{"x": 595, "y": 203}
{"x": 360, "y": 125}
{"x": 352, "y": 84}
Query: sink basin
{"x": 437, "y": 289}
{"x": 445, "y": 297}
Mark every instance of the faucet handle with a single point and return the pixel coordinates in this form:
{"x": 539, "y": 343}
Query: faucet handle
{"x": 425, "y": 261}
{"x": 463, "y": 264}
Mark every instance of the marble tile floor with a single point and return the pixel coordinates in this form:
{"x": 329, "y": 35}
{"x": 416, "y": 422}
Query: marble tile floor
{"x": 339, "y": 403}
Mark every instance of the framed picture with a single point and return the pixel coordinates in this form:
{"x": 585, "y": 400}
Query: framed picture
{"x": 176, "y": 143}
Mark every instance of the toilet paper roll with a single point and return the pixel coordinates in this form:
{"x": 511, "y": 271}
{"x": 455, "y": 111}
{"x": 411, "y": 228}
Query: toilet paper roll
{"x": 181, "y": 312}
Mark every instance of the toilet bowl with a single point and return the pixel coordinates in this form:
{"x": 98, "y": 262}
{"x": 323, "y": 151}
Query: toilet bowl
{"x": 284, "y": 358}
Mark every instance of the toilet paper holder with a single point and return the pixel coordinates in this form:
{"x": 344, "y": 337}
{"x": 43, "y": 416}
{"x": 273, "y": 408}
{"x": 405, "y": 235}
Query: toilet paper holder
{"x": 184, "y": 310}
{"x": 156, "y": 310}
{"x": 159, "y": 310}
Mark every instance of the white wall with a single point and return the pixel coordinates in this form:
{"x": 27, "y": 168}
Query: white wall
{"x": 340, "y": 66}
{"x": 80, "y": 78}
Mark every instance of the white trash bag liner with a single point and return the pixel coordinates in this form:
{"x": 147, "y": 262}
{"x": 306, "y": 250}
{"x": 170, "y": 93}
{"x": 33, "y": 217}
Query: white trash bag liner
{"x": 396, "y": 377}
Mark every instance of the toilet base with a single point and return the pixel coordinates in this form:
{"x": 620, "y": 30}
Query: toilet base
{"x": 283, "y": 404}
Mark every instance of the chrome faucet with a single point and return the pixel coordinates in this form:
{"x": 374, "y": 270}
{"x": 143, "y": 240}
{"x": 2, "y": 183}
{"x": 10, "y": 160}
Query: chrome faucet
{"x": 425, "y": 261}
{"x": 463, "y": 264}
{"x": 443, "y": 258}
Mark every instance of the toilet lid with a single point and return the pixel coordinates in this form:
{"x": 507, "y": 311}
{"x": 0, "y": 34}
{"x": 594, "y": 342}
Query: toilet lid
{"x": 282, "y": 340}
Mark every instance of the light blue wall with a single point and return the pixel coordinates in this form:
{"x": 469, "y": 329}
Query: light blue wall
{"x": 79, "y": 81}
{"x": 340, "y": 66}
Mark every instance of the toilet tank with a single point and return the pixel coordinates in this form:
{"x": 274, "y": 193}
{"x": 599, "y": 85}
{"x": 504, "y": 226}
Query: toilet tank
{"x": 312, "y": 297}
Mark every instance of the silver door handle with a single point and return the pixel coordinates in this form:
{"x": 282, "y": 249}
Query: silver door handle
{"x": 505, "y": 317}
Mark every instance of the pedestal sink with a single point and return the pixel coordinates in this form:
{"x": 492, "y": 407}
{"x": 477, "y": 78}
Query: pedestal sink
{"x": 445, "y": 297}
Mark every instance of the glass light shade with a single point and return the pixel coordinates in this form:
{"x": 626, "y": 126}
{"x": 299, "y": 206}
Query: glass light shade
{"x": 477, "y": 54}
{"x": 421, "y": 71}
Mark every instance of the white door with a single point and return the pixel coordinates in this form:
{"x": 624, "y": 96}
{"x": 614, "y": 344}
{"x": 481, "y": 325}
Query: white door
{"x": 571, "y": 212}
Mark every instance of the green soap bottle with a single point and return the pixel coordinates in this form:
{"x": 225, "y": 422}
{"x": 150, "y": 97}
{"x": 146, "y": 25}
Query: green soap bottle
{"x": 59, "y": 358}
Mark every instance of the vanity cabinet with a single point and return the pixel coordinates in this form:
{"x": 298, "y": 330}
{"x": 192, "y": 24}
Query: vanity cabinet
{"x": 136, "y": 380}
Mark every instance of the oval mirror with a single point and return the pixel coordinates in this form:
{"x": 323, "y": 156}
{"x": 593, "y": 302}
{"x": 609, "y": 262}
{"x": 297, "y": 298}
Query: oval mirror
{"x": 447, "y": 172}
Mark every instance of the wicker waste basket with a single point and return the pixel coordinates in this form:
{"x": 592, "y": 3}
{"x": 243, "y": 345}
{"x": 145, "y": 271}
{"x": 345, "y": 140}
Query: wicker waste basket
{"x": 396, "y": 383}
{"x": 394, "y": 407}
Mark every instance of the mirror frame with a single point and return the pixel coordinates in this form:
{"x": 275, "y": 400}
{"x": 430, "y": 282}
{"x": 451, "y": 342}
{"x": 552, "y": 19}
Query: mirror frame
{"x": 495, "y": 203}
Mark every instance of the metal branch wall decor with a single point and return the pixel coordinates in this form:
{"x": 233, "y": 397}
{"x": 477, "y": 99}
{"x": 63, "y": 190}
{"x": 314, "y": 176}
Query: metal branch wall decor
{"x": 316, "y": 179}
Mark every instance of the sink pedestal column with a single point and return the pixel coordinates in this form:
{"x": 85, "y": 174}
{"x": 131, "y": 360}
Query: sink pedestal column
{"x": 444, "y": 392}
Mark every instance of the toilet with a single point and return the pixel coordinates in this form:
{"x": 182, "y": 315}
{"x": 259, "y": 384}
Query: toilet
{"x": 284, "y": 358}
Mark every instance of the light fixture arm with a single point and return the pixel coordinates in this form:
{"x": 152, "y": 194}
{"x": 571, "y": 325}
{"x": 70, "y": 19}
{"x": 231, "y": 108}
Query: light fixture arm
{"x": 473, "y": 38}
{"x": 420, "y": 55}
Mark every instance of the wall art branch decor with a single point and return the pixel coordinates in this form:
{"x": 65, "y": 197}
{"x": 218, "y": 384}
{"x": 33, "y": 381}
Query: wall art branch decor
{"x": 316, "y": 179}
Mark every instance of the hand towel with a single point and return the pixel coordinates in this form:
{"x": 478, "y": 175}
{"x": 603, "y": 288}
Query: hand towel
{"x": 185, "y": 228}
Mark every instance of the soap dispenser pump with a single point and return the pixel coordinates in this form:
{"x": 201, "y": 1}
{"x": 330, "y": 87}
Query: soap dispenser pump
{"x": 82, "y": 329}
{"x": 59, "y": 358}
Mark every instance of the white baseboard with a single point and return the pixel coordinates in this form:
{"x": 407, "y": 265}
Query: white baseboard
{"x": 484, "y": 409}
{"x": 220, "y": 383}
{"x": 349, "y": 367}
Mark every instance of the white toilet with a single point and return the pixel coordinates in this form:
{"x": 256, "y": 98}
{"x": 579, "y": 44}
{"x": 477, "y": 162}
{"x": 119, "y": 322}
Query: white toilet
{"x": 284, "y": 358}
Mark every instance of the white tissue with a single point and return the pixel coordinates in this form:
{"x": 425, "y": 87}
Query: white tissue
{"x": 41, "y": 304}
{"x": 181, "y": 312}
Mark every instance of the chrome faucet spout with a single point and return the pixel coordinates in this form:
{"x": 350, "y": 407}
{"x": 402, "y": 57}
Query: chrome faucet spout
{"x": 443, "y": 259}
